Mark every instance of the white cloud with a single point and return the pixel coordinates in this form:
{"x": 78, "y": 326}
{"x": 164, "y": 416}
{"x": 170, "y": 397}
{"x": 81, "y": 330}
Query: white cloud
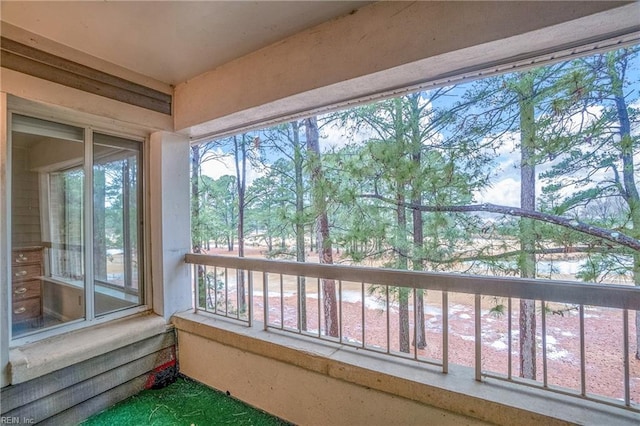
{"x": 333, "y": 137}
{"x": 504, "y": 192}
{"x": 221, "y": 164}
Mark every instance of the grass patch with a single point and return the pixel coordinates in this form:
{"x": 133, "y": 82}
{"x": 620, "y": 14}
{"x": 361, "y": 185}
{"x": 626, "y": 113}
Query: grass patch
{"x": 184, "y": 402}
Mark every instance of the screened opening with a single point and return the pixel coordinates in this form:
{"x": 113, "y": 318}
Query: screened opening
{"x": 524, "y": 175}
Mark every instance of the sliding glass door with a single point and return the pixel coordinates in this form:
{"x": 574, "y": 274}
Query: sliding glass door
{"x": 76, "y": 217}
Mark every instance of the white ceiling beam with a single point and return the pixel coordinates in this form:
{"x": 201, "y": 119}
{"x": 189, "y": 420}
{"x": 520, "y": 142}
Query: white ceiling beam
{"x": 382, "y": 47}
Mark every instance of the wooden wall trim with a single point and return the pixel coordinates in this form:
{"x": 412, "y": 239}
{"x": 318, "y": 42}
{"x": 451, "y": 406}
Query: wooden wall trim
{"x": 98, "y": 403}
{"x": 70, "y": 392}
{"x": 38, "y": 63}
{"x": 71, "y": 396}
{"x": 14, "y": 396}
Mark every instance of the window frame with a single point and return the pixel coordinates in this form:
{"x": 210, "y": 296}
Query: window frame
{"x": 90, "y": 124}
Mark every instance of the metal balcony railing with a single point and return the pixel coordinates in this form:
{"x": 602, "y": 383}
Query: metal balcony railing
{"x": 289, "y": 297}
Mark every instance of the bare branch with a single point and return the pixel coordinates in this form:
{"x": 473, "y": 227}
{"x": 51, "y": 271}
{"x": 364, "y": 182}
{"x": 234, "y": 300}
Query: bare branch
{"x": 585, "y": 228}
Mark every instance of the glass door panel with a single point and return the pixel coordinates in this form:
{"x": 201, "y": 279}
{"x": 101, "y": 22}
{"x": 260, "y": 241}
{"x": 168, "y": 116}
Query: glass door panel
{"x": 116, "y": 222}
{"x": 47, "y": 226}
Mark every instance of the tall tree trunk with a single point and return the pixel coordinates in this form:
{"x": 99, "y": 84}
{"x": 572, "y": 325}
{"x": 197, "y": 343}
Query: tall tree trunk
{"x": 527, "y": 231}
{"x": 330, "y": 303}
{"x": 403, "y": 292}
{"x": 418, "y": 221}
{"x": 99, "y": 230}
{"x": 400, "y": 241}
{"x": 418, "y": 265}
{"x": 240, "y": 151}
{"x": 299, "y": 224}
{"x": 195, "y": 214}
{"x": 195, "y": 195}
{"x": 630, "y": 195}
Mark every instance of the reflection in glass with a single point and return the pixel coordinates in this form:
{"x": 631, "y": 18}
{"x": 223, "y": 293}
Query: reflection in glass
{"x": 47, "y": 226}
{"x": 116, "y": 219}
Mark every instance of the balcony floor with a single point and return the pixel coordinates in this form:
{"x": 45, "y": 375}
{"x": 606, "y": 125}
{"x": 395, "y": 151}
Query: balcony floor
{"x": 185, "y": 402}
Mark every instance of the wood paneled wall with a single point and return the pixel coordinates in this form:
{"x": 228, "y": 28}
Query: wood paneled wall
{"x": 72, "y": 394}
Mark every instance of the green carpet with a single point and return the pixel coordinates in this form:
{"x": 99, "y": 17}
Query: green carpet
{"x": 184, "y": 402}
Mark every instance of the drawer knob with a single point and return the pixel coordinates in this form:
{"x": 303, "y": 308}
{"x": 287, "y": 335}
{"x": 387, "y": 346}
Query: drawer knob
{"x": 20, "y": 273}
{"x": 20, "y": 310}
{"x": 21, "y": 258}
{"x": 20, "y": 290}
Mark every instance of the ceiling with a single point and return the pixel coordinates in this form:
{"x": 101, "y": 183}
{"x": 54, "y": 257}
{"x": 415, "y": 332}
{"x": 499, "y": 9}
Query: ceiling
{"x": 171, "y": 41}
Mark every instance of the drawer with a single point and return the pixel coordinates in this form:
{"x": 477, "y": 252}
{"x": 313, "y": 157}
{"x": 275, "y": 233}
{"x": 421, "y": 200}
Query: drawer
{"x": 25, "y": 290}
{"x": 25, "y": 272}
{"x": 25, "y": 309}
{"x": 19, "y": 257}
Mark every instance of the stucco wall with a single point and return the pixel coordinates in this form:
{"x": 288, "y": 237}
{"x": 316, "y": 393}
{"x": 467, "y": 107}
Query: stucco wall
{"x": 298, "y": 395}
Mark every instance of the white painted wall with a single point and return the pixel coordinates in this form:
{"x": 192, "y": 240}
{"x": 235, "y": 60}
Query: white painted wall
{"x": 170, "y": 223}
{"x": 381, "y": 47}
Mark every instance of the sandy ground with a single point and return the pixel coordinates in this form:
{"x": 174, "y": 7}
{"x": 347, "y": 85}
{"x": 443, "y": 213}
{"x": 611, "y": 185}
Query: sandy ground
{"x": 604, "y": 364}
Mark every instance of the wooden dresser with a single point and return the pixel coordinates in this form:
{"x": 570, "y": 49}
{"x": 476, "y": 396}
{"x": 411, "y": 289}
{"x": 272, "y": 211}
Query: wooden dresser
{"x": 26, "y": 285}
